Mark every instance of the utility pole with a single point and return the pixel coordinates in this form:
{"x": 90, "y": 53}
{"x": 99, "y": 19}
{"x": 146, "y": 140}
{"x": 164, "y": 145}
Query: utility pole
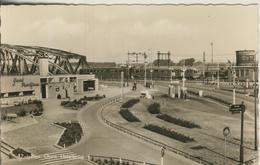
{"x": 204, "y": 66}
{"x": 211, "y": 52}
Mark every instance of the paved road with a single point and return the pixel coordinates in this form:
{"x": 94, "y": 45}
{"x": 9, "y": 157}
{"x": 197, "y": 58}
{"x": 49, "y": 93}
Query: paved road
{"x": 103, "y": 140}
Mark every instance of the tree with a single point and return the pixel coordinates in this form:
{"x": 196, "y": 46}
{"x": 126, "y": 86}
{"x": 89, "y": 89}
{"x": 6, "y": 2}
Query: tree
{"x": 188, "y": 62}
{"x": 163, "y": 62}
{"x": 197, "y": 63}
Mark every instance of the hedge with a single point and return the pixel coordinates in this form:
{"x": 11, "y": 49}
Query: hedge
{"x": 126, "y": 114}
{"x": 154, "y": 108}
{"x": 177, "y": 121}
{"x": 130, "y": 103}
{"x": 218, "y": 99}
{"x": 169, "y": 133}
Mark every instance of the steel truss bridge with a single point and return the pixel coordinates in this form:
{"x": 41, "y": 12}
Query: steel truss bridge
{"x": 24, "y": 60}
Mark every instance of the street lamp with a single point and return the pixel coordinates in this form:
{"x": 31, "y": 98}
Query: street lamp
{"x": 171, "y": 69}
{"x": 234, "y": 86}
{"x": 151, "y": 71}
{"x": 218, "y": 77}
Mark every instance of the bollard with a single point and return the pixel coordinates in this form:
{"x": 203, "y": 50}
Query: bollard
{"x": 120, "y": 160}
{"x": 88, "y": 157}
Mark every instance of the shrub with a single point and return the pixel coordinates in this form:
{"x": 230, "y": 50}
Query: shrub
{"x": 58, "y": 96}
{"x": 154, "y": 108}
{"x": 218, "y": 99}
{"x": 3, "y": 117}
{"x": 130, "y": 103}
{"x": 180, "y": 122}
{"x": 169, "y": 133}
{"x": 21, "y": 152}
{"x": 21, "y": 113}
{"x": 126, "y": 114}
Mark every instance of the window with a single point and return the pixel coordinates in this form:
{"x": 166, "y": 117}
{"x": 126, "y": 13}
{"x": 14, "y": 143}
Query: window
{"x": 242, "y": 73}
{"x": 247, "y": 72}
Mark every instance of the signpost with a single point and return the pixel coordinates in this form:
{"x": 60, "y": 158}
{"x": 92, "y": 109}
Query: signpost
{"x": 226, "y": 132}
{"x": 162, "y": 154}
{"x": 240, "y": 108}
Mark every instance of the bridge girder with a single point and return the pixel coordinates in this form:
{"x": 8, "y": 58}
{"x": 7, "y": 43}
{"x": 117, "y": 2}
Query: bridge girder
{"x": 25, "y": 60}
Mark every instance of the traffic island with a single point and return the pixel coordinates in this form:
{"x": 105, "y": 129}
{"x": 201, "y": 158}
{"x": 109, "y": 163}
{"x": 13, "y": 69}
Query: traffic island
{"x": 77, "y": 104}
{"x": 71, "y": 135}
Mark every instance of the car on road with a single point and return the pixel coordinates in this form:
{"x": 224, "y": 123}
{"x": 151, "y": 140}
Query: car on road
{"x": 145, "y": 94}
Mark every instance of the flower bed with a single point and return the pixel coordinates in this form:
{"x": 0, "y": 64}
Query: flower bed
{"x": 130, "y": 103}
{"x": 126, "y": 114}
{"x": 21, "y": 152}
{"x": 71, "y": 135}
{"x": 75, "y": 104}
{"x": 169, "y": 133}
{"x": 154, "y": 108}
{"x": 92, "y": 98}
{"x": 177, "y": 121}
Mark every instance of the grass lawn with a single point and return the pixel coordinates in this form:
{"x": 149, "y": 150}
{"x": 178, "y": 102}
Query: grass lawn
{"x": 16, "y": 109}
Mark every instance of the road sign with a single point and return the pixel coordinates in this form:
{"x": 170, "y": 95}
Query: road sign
{"x": 236, "y": 108}
{"x": 226, "y": 131}
{"x": 162, "y": 151}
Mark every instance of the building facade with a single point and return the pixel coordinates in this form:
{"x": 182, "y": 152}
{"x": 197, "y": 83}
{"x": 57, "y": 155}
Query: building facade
{"x": 246, "y": 65}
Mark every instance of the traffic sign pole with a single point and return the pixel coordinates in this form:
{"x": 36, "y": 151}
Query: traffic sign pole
{"x": 226, "y": 132}
{"x": 242, "y": 138}
{"x": 235, "y": 109}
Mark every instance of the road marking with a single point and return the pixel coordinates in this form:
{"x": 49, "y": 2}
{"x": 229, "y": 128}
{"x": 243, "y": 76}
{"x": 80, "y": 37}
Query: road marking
{"x": 59, "y": 156}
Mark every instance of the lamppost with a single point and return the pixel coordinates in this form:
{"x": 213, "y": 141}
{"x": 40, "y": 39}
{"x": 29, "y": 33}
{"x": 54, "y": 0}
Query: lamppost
{"x": 171, "y": 69}
{"x": 128, "y": 73}
{"x": 151, "y": 71}
{"x": 234, "y": 86}
{"x": 145, "y": 63}
{"x": 183, "y": 79}
{"x": 218, "y": 77}
{"x": 122, "y": 85}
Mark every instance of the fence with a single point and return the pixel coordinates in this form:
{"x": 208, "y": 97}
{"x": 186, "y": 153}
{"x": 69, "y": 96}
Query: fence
{"x": 118, "y": 159}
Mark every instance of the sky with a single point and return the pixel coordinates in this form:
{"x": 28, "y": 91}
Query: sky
{"x": 108, "y": 33}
